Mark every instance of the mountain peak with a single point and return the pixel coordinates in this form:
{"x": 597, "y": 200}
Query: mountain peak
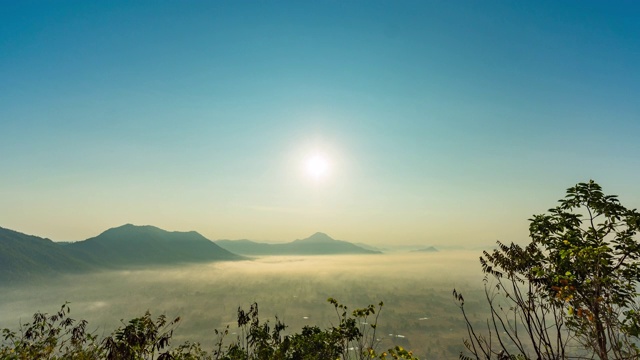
{"x": 427, "y": 249}
{"x": 130, "y": 227}
{"x": 316, "y": 244}
{"x": 146, "y": 244}
{"x": 146, "y": 231}
{"x": 318, "y": 237}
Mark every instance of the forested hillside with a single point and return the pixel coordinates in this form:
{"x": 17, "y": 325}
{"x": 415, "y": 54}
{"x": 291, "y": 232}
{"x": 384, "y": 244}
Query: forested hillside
{"x": 24, "y": 257}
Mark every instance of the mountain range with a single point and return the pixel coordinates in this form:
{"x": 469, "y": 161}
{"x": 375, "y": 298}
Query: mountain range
{"x": 427, "y": 249}
{"x": 24, "y": 257}
{"x": 317, "y": 244}
{"x": 148, "y": 245}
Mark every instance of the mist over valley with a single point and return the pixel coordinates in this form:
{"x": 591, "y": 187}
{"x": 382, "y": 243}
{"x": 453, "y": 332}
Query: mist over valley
{"x": 419, "y": 312}
{"x": 459, "y": 161}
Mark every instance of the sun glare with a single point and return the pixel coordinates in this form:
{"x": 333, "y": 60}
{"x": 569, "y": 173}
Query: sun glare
{"x": 317, "y": 166}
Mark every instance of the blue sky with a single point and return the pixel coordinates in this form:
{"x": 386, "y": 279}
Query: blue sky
{"x": 443, "y": 122}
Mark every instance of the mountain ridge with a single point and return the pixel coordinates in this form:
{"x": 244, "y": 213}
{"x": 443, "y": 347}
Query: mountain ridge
{"x": 426, "y": 249}
{"x": 317, "y": 244}
{"x": 25, "y": 256}
{"x": 149, "y": 245}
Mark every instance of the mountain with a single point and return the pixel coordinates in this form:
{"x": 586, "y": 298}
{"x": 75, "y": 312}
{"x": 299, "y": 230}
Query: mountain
{"x": 370, "y": 247}
{"x": 317, "y": 244}
{"x": 24, "y": 256}
{"x": 427, "y": 249}
{"x": 133, "y": 245}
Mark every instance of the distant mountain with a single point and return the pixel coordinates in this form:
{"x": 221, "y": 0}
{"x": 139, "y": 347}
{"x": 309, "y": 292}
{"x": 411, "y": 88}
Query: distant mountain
{"x": 133, "y": 245}
{"x": 25, "y": 256}
{"x": 317, "y": 244}
{"x": 427, "y": 249}
{"x": 370, "y": 247}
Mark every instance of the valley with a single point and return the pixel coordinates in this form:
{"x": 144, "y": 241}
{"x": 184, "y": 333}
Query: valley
{"x": 419, "y": 312}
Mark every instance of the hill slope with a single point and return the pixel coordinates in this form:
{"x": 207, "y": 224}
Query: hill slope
{"x": 317, "y": 244}
{"x": 133, "y": 245}
{"x": 23, "y": 256}
{"x": 427, "y": 249}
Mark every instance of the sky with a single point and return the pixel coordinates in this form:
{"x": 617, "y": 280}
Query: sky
{"x": 432, "y": 122}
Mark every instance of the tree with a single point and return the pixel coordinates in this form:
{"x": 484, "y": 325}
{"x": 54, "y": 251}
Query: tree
{"x": 571, "y": 292}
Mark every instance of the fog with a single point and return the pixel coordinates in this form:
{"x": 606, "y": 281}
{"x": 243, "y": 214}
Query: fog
{"x": 419, "y": 311}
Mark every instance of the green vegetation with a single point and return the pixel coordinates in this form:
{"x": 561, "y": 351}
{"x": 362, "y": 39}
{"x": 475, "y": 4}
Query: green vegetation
{"x": 58, "y": 337}
{"x": 570, "y": 293}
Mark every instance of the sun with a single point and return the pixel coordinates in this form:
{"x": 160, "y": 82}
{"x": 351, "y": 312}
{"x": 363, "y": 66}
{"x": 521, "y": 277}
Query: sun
{"x": 317, "y": 166}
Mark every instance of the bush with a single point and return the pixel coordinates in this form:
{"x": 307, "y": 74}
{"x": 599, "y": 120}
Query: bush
{"x": 56, "y": 337}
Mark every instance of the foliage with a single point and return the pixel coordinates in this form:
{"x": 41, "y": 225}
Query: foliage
{"x": 571, "y": 292}
{"x": 352, "y": 338}
{"x": 55, "y": 337}
{"x": 48, "y": 336}
{"x": 140, "y": 339}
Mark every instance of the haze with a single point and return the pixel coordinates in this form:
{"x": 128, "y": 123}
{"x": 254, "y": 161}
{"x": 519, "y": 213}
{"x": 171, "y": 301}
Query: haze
{"x": 416, "y": 290}
{"x": 395, "y": 124}
{"x": 443, "y": 122}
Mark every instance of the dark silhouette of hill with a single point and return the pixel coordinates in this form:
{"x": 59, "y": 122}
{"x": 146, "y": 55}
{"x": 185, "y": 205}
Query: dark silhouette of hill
{"x": 24, "y": 256}
{"x": 427, "y": 249}
{"x": 370, "y": 247}
{"x": 131, "y": 245}
{"x": 317, "y": 244}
